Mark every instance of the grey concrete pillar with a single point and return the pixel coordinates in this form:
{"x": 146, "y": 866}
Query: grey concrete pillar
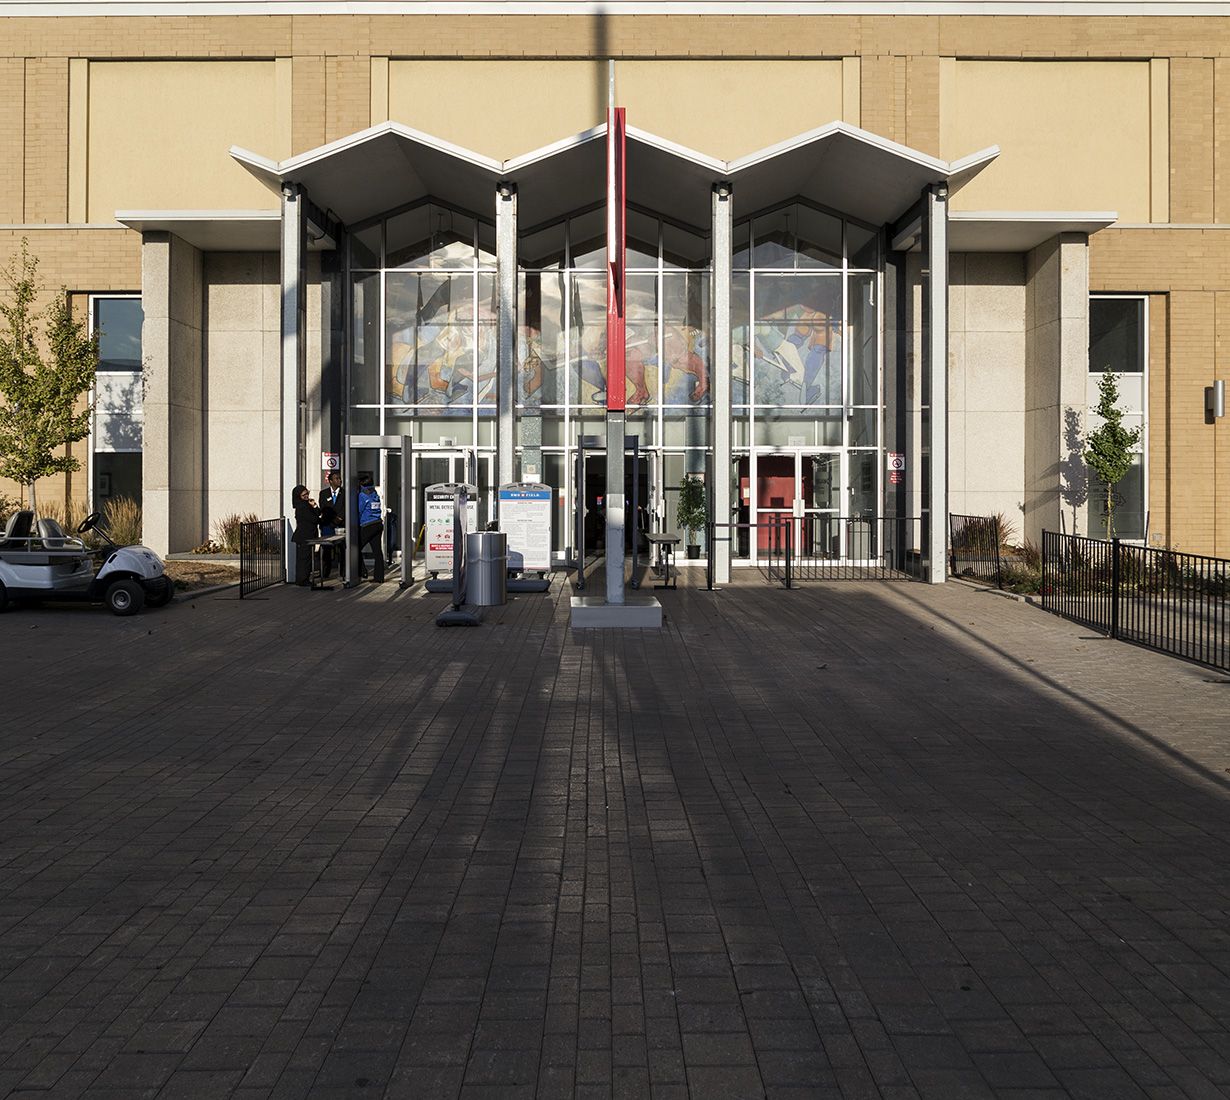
{"x": 172, "y": 282}
{"x": 506, "y": 351}
{"x": 294, "y": 347}
{"x": 935, "y": 348}
{"x": 720, "y": 379}
{"x": 1056, "y": 393}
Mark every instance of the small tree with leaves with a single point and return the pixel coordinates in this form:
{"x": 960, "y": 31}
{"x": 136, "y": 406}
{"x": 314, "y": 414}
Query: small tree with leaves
{"x": 47, "y": 364}
{"x": 1108, "y": 448}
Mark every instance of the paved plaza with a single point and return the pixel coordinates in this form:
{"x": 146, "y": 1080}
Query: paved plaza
{"x": 851, "y": 841}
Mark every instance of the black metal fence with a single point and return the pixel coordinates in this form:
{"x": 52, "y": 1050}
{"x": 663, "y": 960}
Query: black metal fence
{"x": 262, "y": 561}
{"x": 828, "y": 548}
{"x": 973, "y": 548}
{"x": 859, "y": 548}
{"x": 1173, "y": 602}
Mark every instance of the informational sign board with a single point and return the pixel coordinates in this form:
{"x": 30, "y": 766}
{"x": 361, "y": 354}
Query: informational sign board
{"x": 438, "y": 521}
{"x": 330, "y": 460}
{"x": 525, "y": 517}
{"x": 896, "y": 468}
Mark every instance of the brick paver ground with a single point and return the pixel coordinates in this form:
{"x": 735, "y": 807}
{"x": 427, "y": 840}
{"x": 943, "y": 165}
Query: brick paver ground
{"x": 853, "y": 840}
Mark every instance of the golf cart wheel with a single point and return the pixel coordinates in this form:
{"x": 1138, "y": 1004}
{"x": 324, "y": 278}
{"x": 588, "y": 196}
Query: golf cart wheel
{"x": 89, "y": 523}
{"x": 4, "y": 596}
{"x": 124, "y": 598}
{"x": 164, "y": 594}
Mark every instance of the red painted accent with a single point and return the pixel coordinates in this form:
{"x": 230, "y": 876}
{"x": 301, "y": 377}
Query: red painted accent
{"x": 616, "y": 198}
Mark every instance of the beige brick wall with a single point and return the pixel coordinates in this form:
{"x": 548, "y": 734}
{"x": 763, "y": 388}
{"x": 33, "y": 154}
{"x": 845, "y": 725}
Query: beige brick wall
{"x": 1192, "y": 454}
{"x": 347, "y": 95}
{"x": 1187, "y": 273}
{"x": 46, "y": 140}
{"x": 883, "y": 96}
{"x": 922, "y": 104}
{"x": 1221, "y": 139}
{"x": 308, "y": 120}
{"x": 12, "y": 137}
{"x": 1191, "y": 140}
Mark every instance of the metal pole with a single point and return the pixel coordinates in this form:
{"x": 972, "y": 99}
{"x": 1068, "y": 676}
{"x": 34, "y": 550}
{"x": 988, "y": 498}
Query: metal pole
{"x": 506, "y": 345}
{"x": 1114, "y": 588}
{"x": 579, "y": 517}
{"x": 720, "y": 371}
{"x": 404, "y": 519}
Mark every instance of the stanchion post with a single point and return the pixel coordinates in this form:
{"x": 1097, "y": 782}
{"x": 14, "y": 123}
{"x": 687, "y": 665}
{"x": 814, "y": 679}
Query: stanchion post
{"x": 1114, "y": 588}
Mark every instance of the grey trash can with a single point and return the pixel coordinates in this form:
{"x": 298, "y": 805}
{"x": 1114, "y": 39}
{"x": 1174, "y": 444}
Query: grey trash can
{"x": 487, "y": 568}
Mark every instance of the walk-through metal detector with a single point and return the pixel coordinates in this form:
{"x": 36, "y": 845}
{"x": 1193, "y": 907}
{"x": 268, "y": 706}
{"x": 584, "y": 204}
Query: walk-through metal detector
{"x": 350, "y": 487}
{"x": 596, "y": 444}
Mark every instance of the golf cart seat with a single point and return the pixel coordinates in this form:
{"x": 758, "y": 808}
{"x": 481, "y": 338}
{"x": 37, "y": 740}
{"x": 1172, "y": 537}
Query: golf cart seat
{"x": 17, "y": 531}
{"x": 52, "y": 535}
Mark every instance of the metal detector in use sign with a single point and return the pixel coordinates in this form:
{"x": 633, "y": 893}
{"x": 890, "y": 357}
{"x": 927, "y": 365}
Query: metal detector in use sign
{"x": 525, "y": 517}
{"x": 438, "y": 521}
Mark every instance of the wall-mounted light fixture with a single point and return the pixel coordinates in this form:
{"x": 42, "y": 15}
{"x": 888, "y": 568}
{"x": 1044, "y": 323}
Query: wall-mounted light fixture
{"x": 1215, "y": 399}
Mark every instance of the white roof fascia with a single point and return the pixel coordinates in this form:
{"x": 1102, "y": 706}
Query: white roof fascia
{"x": 264, "y": 169}
{"x": 682, "y": 152}
{"x": 961, "y": 171}
{"x": 1100, "y": 218}
{"x": 1019, "y": 230}
{"x": 940, "y": 167}
{"x": 546, "y": 152}
{"x": 129, "y": 8}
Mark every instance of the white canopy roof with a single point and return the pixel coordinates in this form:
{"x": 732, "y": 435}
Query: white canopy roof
{"x": 391, "y": 165}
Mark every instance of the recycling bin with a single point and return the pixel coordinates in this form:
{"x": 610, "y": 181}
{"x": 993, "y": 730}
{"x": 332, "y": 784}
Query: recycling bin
{"x": 487, "y": 568}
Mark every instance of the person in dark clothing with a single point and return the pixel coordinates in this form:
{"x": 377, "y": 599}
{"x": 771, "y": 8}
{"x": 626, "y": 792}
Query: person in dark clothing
{"x": 307, "y": 527}
{"x": 371, "y": 527}
{"x": 332, "y": 509}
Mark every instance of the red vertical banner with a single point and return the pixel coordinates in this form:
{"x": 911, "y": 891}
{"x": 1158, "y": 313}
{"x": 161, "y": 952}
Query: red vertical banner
{"x": 616, "y": 387}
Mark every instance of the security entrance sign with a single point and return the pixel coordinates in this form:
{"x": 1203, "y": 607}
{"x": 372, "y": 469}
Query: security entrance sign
{"x": 438, "y": 523}
{"x": 525, "y": 516}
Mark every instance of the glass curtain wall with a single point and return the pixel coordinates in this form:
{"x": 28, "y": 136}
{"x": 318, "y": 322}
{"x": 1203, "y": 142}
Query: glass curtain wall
{"x": 806, "y": 371}
{"x": 424, "y": 328}
{"x": 561, "y": 375}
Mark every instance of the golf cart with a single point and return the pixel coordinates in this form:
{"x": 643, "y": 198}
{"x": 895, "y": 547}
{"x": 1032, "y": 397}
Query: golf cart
{"x": 40, "y": 562}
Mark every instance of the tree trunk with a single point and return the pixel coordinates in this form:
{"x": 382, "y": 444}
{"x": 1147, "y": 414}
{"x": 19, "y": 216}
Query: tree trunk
{"x": 33, "y": 505}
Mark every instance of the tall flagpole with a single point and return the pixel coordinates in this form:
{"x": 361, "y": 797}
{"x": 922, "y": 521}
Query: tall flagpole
{"x": 616, "y": 387}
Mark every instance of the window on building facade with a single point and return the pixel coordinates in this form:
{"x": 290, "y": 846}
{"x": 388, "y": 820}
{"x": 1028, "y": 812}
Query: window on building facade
{"x": 1118, "y": 342}
{"x": 118, "y": 399}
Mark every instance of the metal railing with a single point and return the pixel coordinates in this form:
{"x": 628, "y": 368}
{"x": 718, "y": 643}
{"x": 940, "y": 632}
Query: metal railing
{"x": 859, "y": 548}
{"x": 261, "y": 559}
{"x": 777, "y": 549}
{"x": 973, "y": 548}
{"x": 830, "y": 548}
{"x": 1176, "y": 603}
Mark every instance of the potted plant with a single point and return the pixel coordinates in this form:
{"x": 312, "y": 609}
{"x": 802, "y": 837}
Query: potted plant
{"x": 693, "y": 511}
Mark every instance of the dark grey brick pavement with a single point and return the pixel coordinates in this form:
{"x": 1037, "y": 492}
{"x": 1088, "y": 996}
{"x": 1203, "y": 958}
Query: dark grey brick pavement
{"x": 849, "y": 841}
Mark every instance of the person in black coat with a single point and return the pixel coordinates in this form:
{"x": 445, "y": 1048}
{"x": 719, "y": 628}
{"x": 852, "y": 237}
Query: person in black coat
{"x": 307, "y": 527}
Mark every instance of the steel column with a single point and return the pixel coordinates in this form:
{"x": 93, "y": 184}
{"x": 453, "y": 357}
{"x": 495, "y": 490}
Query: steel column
{"x": 294, "y": 346}
{"x": 719, "y": 375}
{"x": 935, "y": 347}
{"x": 506, "y": 353}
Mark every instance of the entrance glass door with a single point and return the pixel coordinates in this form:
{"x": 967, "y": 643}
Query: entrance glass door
{"x": 806, "y": 488}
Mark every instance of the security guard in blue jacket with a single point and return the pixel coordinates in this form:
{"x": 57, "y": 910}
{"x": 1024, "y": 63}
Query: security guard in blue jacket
{"x": 371, "y": 528}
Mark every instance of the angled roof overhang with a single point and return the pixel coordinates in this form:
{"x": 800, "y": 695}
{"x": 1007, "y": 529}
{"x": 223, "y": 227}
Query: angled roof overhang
{"x": 847, "y": 169}
{"x": 1019, "y": 230}
{"x": 379, "y": 169}
{"x": 390, "y": 165}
